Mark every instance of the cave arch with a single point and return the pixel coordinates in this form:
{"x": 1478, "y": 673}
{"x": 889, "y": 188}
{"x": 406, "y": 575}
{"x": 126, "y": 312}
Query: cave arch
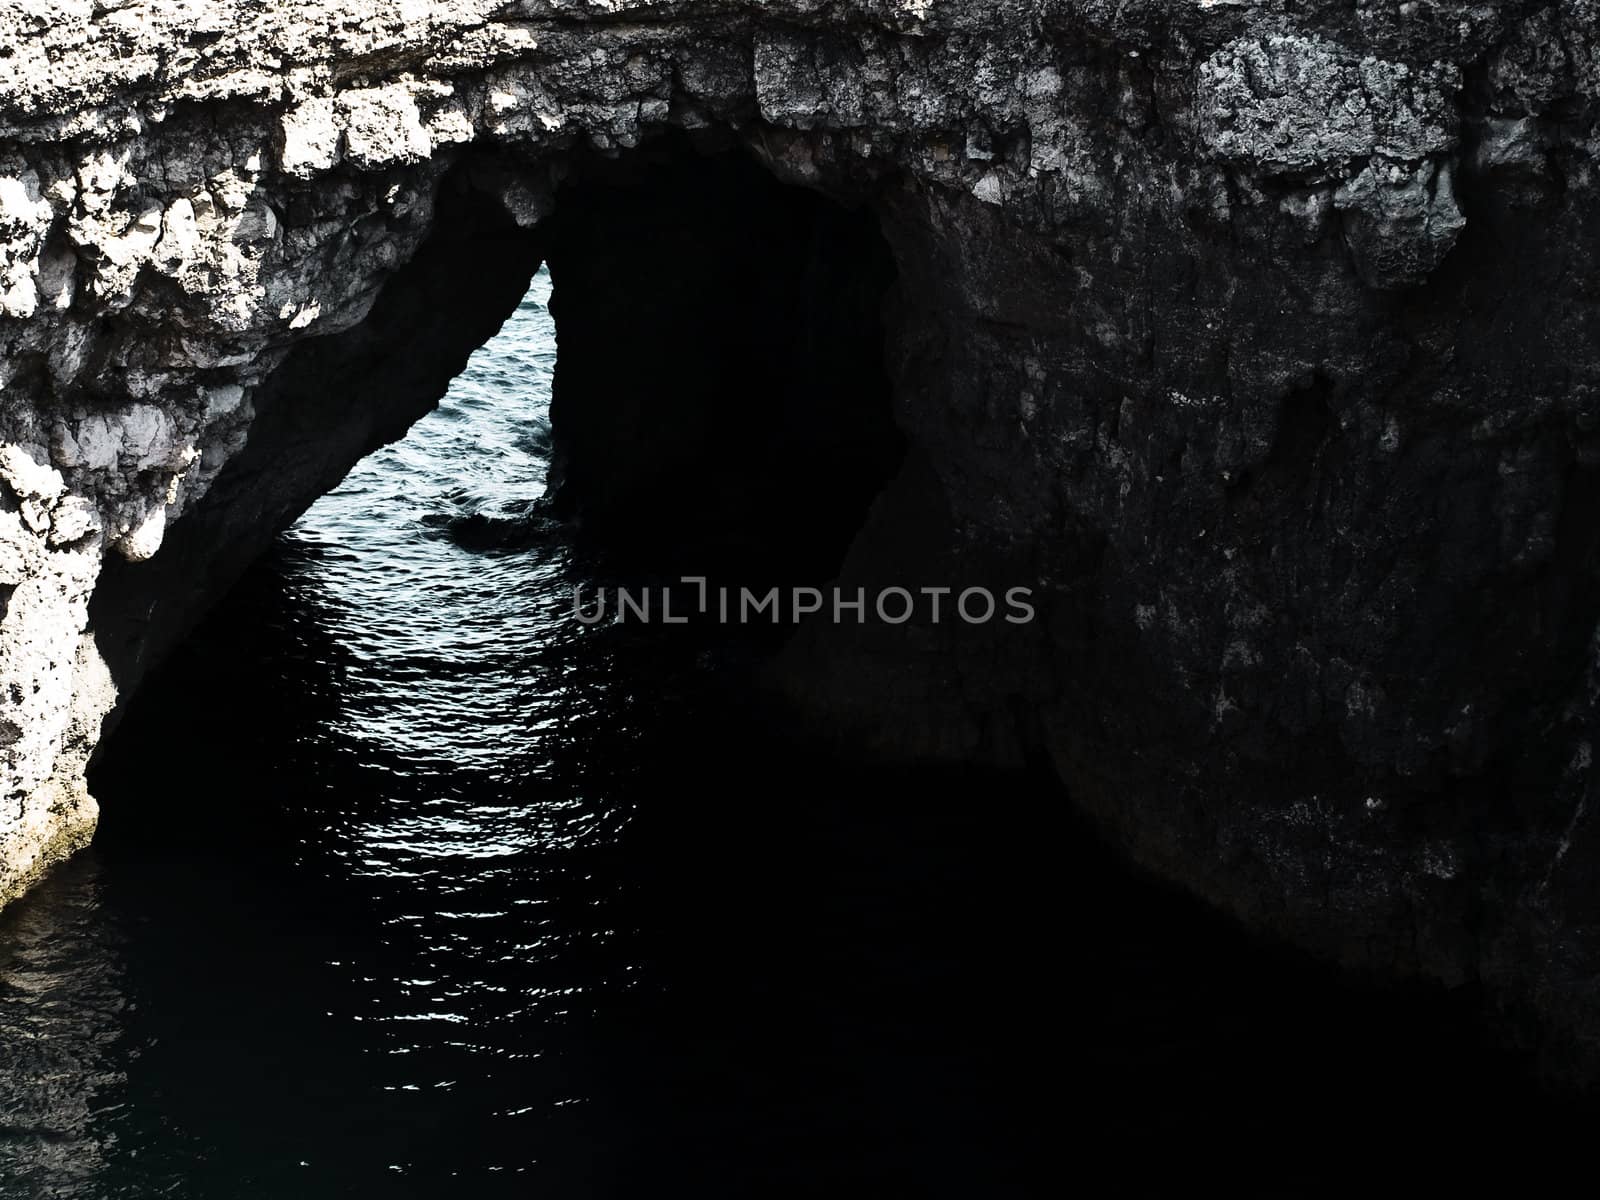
{"x": 721, "y": 401}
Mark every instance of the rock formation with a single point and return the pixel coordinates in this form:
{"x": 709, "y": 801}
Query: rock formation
{"x": 1258, "y": 335}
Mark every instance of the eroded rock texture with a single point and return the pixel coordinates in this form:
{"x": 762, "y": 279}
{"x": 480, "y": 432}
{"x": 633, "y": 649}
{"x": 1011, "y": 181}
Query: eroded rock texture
{"x": 1258, "y": 335}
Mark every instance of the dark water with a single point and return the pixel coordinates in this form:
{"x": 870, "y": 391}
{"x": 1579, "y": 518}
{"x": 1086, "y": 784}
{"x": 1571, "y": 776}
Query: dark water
{"x": 409, "y": 884}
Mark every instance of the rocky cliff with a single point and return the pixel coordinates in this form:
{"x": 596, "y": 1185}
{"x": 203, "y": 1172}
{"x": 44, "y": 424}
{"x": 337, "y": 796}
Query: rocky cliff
{"x": 1260, "y": 336}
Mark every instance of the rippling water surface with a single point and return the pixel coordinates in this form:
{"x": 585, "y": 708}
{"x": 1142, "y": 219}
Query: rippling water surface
{"x": 409, "y": 884}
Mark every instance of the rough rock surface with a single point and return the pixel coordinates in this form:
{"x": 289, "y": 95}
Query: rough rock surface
{"x": 1260, "y": 335}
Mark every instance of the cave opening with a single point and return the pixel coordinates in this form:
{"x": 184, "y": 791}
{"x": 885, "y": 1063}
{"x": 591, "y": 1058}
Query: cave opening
{"x": 721, "y": 404}
{"x": 476, "y": 869}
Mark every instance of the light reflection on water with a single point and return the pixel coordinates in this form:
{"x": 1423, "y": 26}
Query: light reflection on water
{"x": 455, "y": 684}
{"x": 63, "y": 998}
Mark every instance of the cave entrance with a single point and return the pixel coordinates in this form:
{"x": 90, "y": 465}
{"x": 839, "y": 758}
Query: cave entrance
{"x": 457, "y": 861}
{"x": 721, "y": 404}
{"x": 720, "y": 408}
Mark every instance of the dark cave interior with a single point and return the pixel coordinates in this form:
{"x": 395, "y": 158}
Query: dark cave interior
{"x": 722, "y": 406}
{"x": 721, "y": 394}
